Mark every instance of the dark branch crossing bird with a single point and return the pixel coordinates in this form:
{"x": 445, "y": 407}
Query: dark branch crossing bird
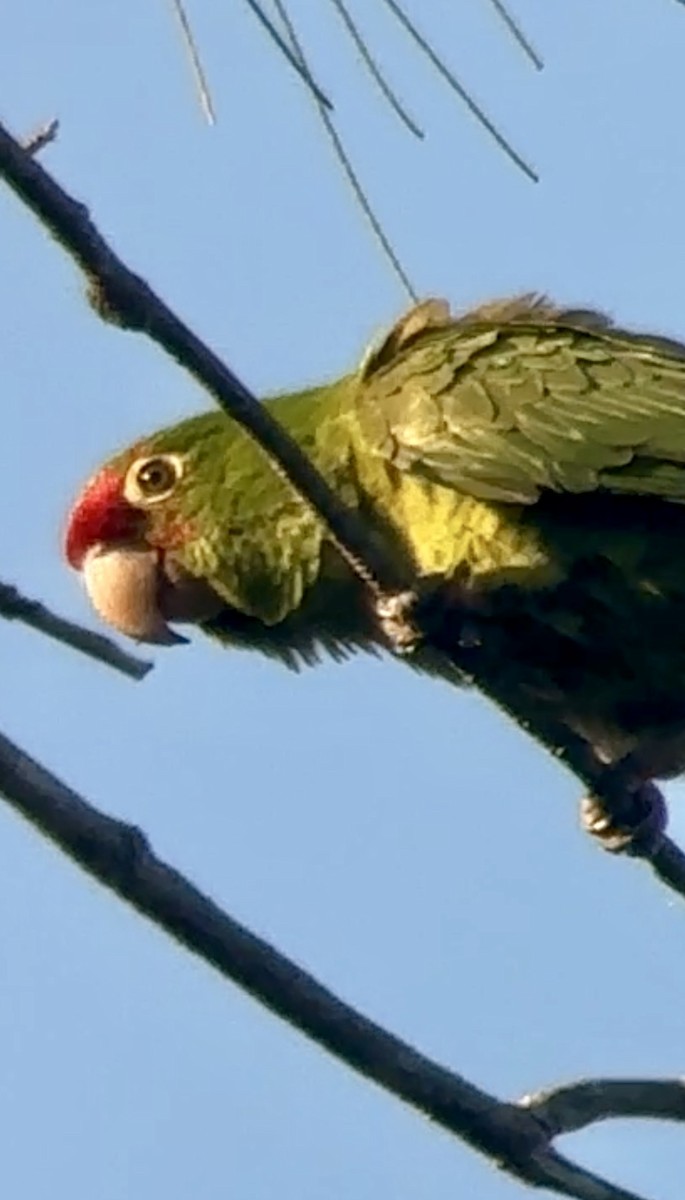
{"x": 522, "y": 463}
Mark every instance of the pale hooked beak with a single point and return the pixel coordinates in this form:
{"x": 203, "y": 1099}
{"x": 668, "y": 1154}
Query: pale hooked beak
{"x": 132, "y": 591}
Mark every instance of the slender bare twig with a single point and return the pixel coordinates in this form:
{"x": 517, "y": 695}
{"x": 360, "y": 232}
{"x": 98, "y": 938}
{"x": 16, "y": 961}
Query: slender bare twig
{"x": 518, "y": 34}
{"x": 373, "y": 68}
{"x": 41, "y": 137}
{"x": 449, "y": 76}
{"x": 195, "y": 61}
{"x": 518, "y": 1137}
{"x": 14, "y": 606}
{"x": 344, "y": 160}
{"x": 288, "y": 54}
{"x": 295, "y": 55}
{"x": 576, "y": 1105}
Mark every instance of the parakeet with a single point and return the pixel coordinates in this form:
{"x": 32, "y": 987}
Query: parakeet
{"x": 523, "y": 463}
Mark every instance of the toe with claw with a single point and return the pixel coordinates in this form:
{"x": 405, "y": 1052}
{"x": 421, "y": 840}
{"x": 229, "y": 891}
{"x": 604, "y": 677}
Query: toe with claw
{"x": 636, "y": 825}
{"x": 396, "y": 617}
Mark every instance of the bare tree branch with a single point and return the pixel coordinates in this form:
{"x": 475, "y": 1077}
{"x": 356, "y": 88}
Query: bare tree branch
{"x": 576, "y": 1105}
{"x": 518, "y": 1137}
{"x": 126, "y": 300}
{"x": 668, "y": 864}
{"x": 14, "y": 606}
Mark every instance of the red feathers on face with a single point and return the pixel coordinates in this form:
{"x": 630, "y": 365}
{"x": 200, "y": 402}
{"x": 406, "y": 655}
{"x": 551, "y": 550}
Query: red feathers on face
{"x": 101, "y": 515}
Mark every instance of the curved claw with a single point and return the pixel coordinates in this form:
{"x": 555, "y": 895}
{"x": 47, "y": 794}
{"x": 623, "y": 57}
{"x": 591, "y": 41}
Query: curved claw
{"x": 642, "y": 837}
{"x": 395, "y": 615}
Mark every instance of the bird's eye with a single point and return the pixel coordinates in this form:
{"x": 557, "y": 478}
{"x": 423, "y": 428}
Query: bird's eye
{"x": 152, "y": 479}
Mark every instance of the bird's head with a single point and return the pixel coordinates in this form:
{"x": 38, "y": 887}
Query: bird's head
{"x": 135, "y": 533}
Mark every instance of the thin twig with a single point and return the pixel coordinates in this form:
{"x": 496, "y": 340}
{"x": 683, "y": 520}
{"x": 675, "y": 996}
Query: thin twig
{"x": 14, "y": 606}
{"x": 518, "y": 34}
{"x": 195, "y": 61}
{"x": 461, "y": 91}
{"x": 577, "y": 1105}
{"x": 41, "y": 137}
{"x": 373, "y": 68}
{"x": 514, "y": 1136}
{"x": 344, "y": 160}
{"x": 125, "y": 299}
{"x": 283, "y": 46}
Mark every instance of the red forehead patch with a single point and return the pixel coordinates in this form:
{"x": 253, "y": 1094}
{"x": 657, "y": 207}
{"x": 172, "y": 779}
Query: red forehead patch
{"x": 101, "y": 514}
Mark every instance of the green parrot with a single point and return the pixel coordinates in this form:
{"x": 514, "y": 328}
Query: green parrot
{"x": 522, "y": 463}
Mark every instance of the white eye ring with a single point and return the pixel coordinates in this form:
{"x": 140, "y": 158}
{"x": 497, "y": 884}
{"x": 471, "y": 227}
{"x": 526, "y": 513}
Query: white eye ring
{"x": 153, "y": 478}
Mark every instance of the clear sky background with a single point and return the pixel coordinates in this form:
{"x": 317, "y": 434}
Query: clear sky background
{"x": 395, "y": 837}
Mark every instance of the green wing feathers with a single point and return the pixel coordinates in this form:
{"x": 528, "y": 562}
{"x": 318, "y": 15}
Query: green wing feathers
{"x": 519, "y": 397}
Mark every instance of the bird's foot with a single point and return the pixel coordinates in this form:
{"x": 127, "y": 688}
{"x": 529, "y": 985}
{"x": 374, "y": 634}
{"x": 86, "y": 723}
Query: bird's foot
{"x": 453, "y": 618}
{"x": 396, "y": 615}
{"x": 640, "y": 828}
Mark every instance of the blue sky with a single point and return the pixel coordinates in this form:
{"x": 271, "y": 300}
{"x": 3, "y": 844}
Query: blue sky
{"x": 398, "y": 839}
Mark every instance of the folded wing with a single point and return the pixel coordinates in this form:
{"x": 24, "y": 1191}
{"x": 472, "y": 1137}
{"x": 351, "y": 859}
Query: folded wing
{"x": 519, "y": 397}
